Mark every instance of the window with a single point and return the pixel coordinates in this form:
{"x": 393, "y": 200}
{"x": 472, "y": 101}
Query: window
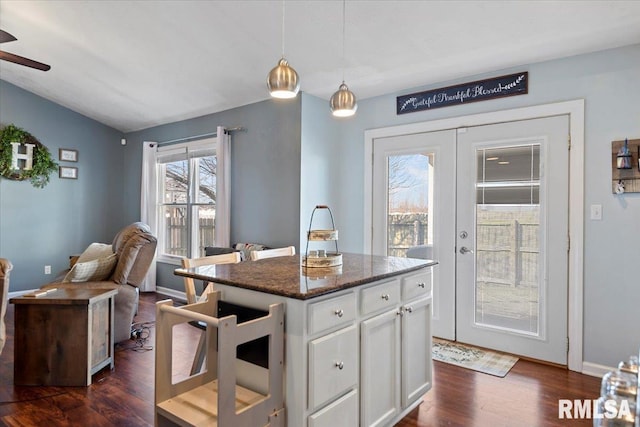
{"x": 186, "y": 199}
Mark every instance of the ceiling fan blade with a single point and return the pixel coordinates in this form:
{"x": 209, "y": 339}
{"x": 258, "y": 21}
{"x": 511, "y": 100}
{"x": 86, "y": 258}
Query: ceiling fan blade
{"x": 6, "y": 37}
{"x": 24, "y": 61}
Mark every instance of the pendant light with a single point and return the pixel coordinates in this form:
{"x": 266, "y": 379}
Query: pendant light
{"x": 282, "y": 80}
{"x": 343, "y": 102}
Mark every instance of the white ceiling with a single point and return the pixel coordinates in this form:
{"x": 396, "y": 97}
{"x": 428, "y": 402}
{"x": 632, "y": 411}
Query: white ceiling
{"x": 137, "y": 64}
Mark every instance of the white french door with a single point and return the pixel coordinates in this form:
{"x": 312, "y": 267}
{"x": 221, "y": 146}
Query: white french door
{"x": 478, "y": 201}
{"x": 413, "y": 196}
{"x": 512, "y": 237}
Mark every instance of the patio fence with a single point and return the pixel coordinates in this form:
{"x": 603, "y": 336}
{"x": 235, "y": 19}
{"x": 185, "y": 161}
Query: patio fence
{"x": 507, "y": 246}
{"x": 177, "y": 235}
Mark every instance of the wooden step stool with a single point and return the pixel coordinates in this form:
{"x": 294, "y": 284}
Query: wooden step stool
{"x": 214, "y": 397}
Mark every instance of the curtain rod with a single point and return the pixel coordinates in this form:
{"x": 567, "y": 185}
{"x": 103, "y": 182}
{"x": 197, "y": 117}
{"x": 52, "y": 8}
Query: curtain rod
{"x": 204, "y": 135}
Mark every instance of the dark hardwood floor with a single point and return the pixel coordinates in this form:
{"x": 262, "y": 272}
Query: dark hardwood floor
{"x": 527, "y": 396}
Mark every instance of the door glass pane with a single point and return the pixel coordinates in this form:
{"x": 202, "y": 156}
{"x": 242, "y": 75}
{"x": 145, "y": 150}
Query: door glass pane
{"x": 507, "y": 238}
{"x": 410, "y": 201}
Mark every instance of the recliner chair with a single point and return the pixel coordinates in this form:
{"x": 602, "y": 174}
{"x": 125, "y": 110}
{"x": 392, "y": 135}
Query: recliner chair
{"x": 135, "y": 248}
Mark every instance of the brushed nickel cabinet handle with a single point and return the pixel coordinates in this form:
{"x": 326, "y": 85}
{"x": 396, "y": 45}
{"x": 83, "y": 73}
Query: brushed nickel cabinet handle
{"x": 339, "y": 312}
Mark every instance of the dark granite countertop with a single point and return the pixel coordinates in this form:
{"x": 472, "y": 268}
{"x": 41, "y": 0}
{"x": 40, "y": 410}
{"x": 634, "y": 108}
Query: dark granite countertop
{"x": 285, "y": 276}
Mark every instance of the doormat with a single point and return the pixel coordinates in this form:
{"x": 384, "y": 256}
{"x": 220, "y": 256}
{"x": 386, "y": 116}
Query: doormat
{"x": 466, "y": 356}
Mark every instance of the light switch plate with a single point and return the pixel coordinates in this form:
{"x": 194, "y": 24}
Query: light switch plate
{"x": 596, "y": 212}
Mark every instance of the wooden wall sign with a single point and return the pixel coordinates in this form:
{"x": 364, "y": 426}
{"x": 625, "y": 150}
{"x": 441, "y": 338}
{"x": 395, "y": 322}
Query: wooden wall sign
{"x": 480, "y": 90}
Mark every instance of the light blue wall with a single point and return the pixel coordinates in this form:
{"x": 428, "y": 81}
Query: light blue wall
{"x": 41, "y": 227}
{"x": 321, "y": 143}
{"x": 609, "y": 81}
{"x": 265, "y": 172}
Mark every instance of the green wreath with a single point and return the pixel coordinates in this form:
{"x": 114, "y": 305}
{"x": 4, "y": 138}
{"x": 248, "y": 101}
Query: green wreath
{"x": 43, "y": 164}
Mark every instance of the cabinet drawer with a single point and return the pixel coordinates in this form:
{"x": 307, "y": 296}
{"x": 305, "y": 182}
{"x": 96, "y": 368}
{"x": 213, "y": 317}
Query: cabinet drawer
{"x": 416, "y": 285}
{"x": 333, "y": 366}
{"x": 341, "y": 413}
{"x": 378, "y": 297}
{"x": 332, "y": 312}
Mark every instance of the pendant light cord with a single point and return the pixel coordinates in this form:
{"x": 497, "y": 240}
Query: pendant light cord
{"x": 344, "y": 2}
{"x": 283, "y": 28}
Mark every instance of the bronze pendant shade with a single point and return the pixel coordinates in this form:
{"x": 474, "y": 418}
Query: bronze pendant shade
{"x": 283, "y": 81}
{"x": 343, "y": 102}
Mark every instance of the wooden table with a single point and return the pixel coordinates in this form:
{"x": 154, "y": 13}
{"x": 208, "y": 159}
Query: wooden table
{"x": 63, "y": 337}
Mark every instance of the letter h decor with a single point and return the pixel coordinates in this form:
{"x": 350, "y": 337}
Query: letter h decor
{"x": 27, "y": 157}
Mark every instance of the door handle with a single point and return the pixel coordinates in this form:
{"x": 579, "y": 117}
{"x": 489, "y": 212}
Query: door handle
{"x": 465, "y": 250}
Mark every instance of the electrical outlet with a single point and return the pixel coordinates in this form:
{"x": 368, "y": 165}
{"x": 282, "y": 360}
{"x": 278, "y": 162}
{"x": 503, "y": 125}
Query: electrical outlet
{"x": 596, "y": 212}
{"x": 47, "y": 269}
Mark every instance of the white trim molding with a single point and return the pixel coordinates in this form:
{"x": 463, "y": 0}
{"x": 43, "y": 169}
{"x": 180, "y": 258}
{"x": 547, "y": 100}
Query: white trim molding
{"x": 172, "y": 293}
{"x": 575, "y": 110}
{"x": 596, "y": 370}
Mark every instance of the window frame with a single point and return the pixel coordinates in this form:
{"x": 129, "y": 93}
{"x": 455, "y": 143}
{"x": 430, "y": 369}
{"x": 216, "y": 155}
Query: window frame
{"x": 184, "y": 151}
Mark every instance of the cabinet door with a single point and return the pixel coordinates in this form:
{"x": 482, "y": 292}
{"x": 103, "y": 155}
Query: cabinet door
{"x": 416, "y": 350}
{"x": 341, "y": 413}
{"x": 333, "y": 366}
{"x": 380, "y": 368}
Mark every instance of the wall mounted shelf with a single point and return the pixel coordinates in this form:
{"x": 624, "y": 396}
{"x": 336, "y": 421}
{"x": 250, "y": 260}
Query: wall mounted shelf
{"x": 630, "y": 178}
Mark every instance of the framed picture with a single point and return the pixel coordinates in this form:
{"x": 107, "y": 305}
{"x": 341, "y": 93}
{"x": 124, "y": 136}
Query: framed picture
{"x": 68, "y": 172}
{"x": 67, "y": 155}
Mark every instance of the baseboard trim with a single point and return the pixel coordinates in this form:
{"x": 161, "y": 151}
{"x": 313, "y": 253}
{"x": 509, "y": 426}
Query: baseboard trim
{"x": 177, "y": 295}
{"x": 595, "y": 370}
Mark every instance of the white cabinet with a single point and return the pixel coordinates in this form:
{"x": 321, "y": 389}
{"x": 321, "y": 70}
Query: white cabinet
{"x": 341, "y": 413}
{"x": 357, "y": 357}
{"x": 416, "y": 350}
{"x": 332, "y": 312}
{"x": 333, "y": 362}
{"x": 333, "y": 366}
{"x": 417, "y": 285}
{"x": 395, "y": 351}
{"x": 380, "y": 368}
{"x": 379, "y": 297}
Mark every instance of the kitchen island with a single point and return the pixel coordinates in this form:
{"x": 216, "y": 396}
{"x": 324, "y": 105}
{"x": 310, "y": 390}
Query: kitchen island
{"x": 357, "y": 337}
